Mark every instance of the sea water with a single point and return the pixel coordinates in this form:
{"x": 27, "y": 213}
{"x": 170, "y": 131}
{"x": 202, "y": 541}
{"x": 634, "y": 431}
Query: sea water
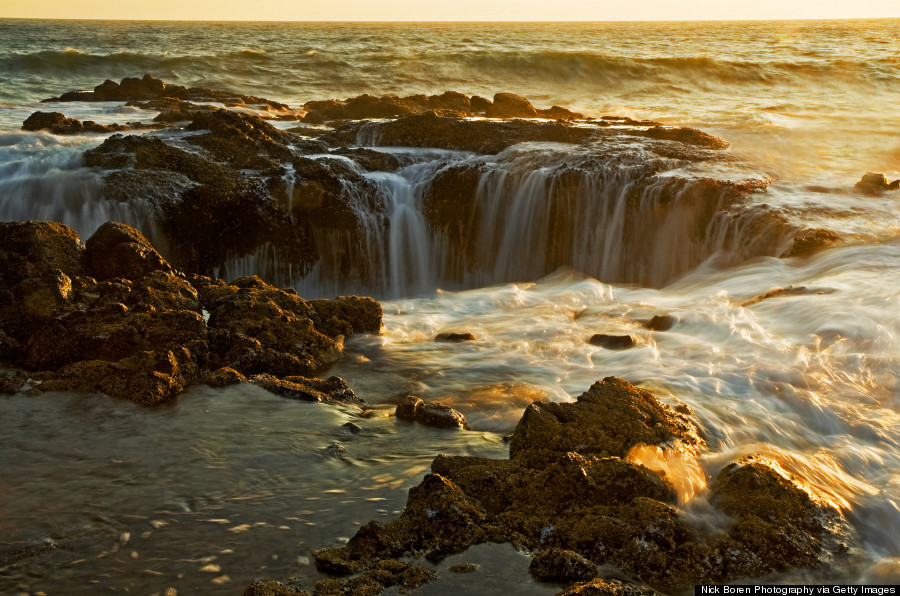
{"x": 228, "y": 485}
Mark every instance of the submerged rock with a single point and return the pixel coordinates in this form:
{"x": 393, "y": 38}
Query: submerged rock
{"x": 561, "y": 566}
{"x": 333, "y": 389}
{"x": 455, "y": 336}
{"x": 612, "y": 342}
{"x": 807, "y": 242}
{"x": 660, "y": 323}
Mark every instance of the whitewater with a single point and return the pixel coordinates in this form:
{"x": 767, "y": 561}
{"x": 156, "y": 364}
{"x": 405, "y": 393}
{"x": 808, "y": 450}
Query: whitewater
{"x": 232, "y": 484}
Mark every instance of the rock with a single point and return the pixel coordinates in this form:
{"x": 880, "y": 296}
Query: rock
{"x": 464, "y": 567}
{"x": 272, "y": 588}
{"x": 600, "y": 587}
{"x": 875, "y": 184}
{"x": 12, "y": 383}
{"x": 242, "y": 140}
{"x": 35, "y": 248}
{"x": 57, "y": 123}
{"x": 385, "y": 574}
{"x": 607, "y": 421}
{"x": 481, "y": 136}
{"x": 352, "y": 428}
{"x": 333, "y": 389}
{"x": 256, "y": 328}
{"x": 687, "y": 136}
{"x": 374, "y": 161}
{"x": 660, "y": 323}
{"x": 810, "y": 241}
{"x": 118, "y": 250}
{"x": 778, "y": 526}
{"x": 510, "y": 105}
{"x": 149, "y": 87}
{"x": 561, "y": 566}
{"x": 224, "y": 377}
{"x": 414, "y": 409}
{"x": 455, "y": 337}
{"x": 612, "y": 342}
{"x": 346, "y": 315}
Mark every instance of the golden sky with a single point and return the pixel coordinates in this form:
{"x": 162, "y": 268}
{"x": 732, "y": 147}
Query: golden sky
{"x": 454, "y": 10}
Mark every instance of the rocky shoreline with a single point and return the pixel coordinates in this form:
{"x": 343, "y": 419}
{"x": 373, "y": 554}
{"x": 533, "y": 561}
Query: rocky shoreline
{"x": 579, "y": 491}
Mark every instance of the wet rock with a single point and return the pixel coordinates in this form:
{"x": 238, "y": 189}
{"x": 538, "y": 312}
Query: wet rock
{"x": 57, "y": 123}
{"x": 35, "y": 248}
{"x": 333, "y": 389}
{"x": 224, "y": 377}
{"x": 561, "y": 566}
{"x": 480, "y": 136}
{"x": 147, "y": 378}
{"x": 606, "y": 420}
{"x": 12, "y": 383}
{"x": 272, "y": 588}
{"x": 385, "y": 574}
{"x": 242, "y": 140}
{"x": 464, "y": 567}
{"x": 374, "y": 161}
{"x": 256, "y": 328}
{"x": 149, "y": 87}
{"x": 352, "y": 428}
{"x": 778, "y": 526}
{"x": 601, "y": 587}
{"x": 811, "y": 241}
{"x": 660, "y": 323}
{"x": 783, "y": 292}
{"x": 414, "y": 409}
{"x": 510, "y": 105}
{"x": 118, "y": 250}
{"x": 612, "y": 342}
{"x": 875, "y": 184}
{"x": 346, "y": 315}
{"x": 687, "y": 136}
{"x": 455, "y": 337}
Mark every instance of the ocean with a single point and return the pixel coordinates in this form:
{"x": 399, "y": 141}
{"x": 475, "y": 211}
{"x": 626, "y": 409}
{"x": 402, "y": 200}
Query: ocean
{"x": 228, "y": 485}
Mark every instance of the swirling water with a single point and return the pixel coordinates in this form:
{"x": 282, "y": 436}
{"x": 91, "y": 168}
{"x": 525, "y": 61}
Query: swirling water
{"x": 810, "y": 380}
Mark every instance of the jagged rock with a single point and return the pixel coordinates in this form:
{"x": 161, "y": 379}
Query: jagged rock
{"x": 687, "y": 136}
{"x": 385, "y": 574}
{"x": 875, "y": 184}
{"x": 510, "y": 105}
{"x": 118, "y": 250}
{"x": 561, "y": 566}
{"x": 606, "y": 420}
{"x": 612, "y": 342}
{"x": 600, "y": 587}
{"x": 242, "y": 140}
{"x": 57, "y": 123}
{"x": 352, "y": 428}
{"x": 414, "y": 409}
{"x": 464, "y": 567}
{"x": 808, "y": 242}
{"x": 272, "y": 588}
{"x": 455, "y": 337}
{"x": 369, "y": 159}
{"x": 333, "y": 389}
{"x": 346, "y": 315}
{"x": 778, "y": 526}
{"x": 256, "y": 328}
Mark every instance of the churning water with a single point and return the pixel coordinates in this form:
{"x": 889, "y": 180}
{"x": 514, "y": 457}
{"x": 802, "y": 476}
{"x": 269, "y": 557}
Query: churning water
{"x": 232, "y": 484}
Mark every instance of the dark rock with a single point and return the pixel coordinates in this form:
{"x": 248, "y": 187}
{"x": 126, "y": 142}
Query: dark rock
{"x": 778, "y": 526}
{"x": 242, "y": 140}
{"x": 601, "y": 587}
{"x": 383, "y": 575}
{"x": 612, "y": 342}
{"x": 414, "y": 409}
{"x": 352, "y": 428}
{"x": 687, "y": 136}
{"x": 510, "y": 105}
{"x": 561, "y": 566}
{"x": 809, "y": 241}
{"x": 369, "y": 159}
{"x": 224, "y": 377}
{"x": 272, "y": 588}
{"x": 149, "y": 87}
{"x": 455, "y": 337}
{"x": 875, "y": 184}
{"x": 333, "y": 389}
{"x": 346, "y": 315}
{"x": 12, "y": 383}
{"x": 57, "y": 123}
{"x": 606, "y": 420}
{"x": 783, "y": 292}
{"x": 660, "y": 323}
{"x": 464, "y": 567}
{"x": 118, "y": 250}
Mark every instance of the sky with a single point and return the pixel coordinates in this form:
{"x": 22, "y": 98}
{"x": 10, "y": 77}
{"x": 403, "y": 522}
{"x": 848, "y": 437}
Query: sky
{"x": 455, "y": 10}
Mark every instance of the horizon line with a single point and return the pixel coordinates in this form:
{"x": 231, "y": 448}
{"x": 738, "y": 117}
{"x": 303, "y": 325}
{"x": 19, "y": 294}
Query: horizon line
{"x": 332, "y": 21}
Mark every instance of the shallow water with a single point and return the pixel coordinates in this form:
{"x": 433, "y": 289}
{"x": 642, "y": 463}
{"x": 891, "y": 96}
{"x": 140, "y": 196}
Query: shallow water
{"x": 809, "y": 379}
